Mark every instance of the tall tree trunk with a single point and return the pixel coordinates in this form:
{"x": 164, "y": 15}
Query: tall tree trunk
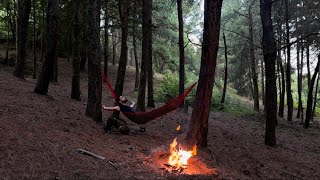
{"x": 24, "y": 8}
{"x": 315, "y": 99}
{"x": 181, "y": 50}
{"x": 106, "y": 38}
{"x": 298, "y": 80}
{"x": 310, "y": 96}
{"x": 34, "y": 75}
{"x": 75, "y": 90}
{"x": 288, "y": 83}
{"x": 198, "y": 129}
{"x": 94, "y": 64}
{"x": 283, "y": 92}
{"x": 43, "y": 31}
{"x": 114, "y": 48}
{"x": 145, "y": 55}
{"x": 8, "y": 33}
{"x": 262, "y": 83}
{"x": 253, "y": 62}
{"x": 300, "y": 83}
{"x": 225, "y": 72}
{"x": 136, "y": 83}
{"x": 52, "y": 39}
{"x": 279, "y": 76}
{"x": 269, "y": 54}
{"x": 308, "y": 63}
{"x": 150, "y": 102}
{"x": 124, "y": 13}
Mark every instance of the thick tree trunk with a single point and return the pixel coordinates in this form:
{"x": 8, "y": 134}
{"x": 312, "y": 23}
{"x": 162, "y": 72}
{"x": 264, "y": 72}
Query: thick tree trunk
{"x": 34, "y": 74}
{"x": 52, "y": 39}
{"x": 224, "y": 91}
{"x": 181, "y": 50}
{"x": 310, "y": 96}
{"x": 269, "y": 54}
{"x": 288, "y": 83}
{"x": 94, "y": 64}
{"x": 124, "y": 13}
{"x": 150, "y": 102}
{"x": 198, "y": 129}
{"x": 254, "y": 76}
{"x": 145, "y": 54}
{"x": 24, "y": 8}
{"x": 106, "y": 39}
{"x": 75, "y": 90}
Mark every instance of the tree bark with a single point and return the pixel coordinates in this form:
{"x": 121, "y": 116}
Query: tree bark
{"x": 34, "y": 74}
{"x": 52, "y": 39}
{"x": 124, "y": 13}
{"x": 225, "y": 72}
{"x": 254, "y": 76}
{"x": 114, "y": 49}
{"x": 283, "y": 92}
{"x": 24, "y": 8}
{"x": 198, "y": 128}
{"x": 300, "y": 83}
{"x": 94, "y": 64}
{"x": 106, "y": 39}
{"x": 279, "y": 75}
{"x": 75, "y": 90}
{"x": 298, "y": 80}
{"x": 136, "y": 61}
{"x": 308, "y": 64}
{"x": 315, "y": 99}
{"x": 145, "y": 54}
{"x": 288, "y": 83}
{"x": 310, "y": 96}
{"x": 181, "y": 50}
{"x": 150, "y": 102}
{"x": 8, "y": 33}
{"x": 269, "y": 54}
{"x": 43, "y": 31}
{"x": 262, "y": 83}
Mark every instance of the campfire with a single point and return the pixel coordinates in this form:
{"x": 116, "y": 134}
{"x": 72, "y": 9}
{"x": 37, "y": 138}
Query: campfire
{"x": 178, "y": 159}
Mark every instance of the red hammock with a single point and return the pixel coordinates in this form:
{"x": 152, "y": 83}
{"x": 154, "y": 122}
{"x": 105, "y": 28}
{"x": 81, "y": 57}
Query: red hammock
{"x": 144, "y": 117}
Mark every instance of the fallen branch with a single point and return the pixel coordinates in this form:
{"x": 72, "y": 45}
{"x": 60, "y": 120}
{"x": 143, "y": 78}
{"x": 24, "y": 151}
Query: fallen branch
{"x": 82, "y": 151}
{"x": 110, "y": 162}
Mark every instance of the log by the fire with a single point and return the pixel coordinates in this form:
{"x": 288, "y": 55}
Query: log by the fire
{"x": 173, "y": 169}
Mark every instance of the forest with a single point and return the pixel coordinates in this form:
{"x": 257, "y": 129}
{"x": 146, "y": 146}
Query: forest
{"x": 159, "y": 89}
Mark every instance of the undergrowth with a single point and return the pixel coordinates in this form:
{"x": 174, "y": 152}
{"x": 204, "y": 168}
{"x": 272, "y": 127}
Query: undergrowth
{"x": 234, "y": 104}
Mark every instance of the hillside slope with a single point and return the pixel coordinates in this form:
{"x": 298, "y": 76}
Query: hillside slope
{"x": 40, "y": 134}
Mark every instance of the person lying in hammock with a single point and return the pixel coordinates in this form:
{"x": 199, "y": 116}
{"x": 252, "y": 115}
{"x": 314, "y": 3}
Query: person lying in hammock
{"x": 122, "y": 106}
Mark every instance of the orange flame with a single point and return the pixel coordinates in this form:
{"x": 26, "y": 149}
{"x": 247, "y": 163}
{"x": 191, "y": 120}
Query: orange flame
{"x": 179, "y": 157}
{"x": 178, "y": 128}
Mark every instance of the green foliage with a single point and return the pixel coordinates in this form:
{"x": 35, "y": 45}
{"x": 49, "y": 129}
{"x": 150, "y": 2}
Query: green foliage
{"x": 234, "y": 104}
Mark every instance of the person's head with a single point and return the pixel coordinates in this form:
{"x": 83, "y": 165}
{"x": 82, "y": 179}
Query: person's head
{"x": 123, "y": 99}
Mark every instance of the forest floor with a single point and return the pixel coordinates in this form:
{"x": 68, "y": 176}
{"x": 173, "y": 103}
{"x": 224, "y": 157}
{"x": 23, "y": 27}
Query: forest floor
{"x": 40, "y": 134}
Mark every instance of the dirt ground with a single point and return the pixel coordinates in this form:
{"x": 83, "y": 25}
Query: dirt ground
{"x": 40, "y": 134}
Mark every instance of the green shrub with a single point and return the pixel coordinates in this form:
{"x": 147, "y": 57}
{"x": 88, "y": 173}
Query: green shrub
{"x": 233, "y": 104}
